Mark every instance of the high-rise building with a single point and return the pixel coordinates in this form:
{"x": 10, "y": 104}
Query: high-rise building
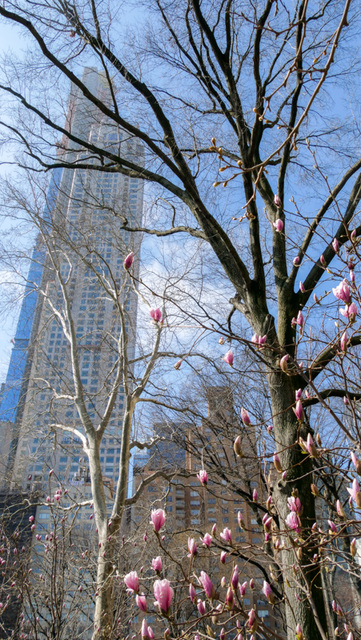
{"x": 78, "y": 327}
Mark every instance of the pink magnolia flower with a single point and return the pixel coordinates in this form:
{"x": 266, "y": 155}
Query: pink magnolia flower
{"x": 229, "y": 358}
{"x": 298, "y": 394}
{"x": 240, "y": 519}
{"x": 192, "y": 547}
{"x": 323, "y": 261}
{"x": 132, "y": 582}
{"x": 163, "y": 594}
{"x": 267, "y": 590}
{"x": 207, "y": 540}
{"x": 202, "y": 476}
{"x": 355, "y": 493}
{"x": 310, "y": 446}
{"x": 178, "y": 365}
{"x": 296, "y": 261}
{"x": 207, "y": 584}
{"x": 277, "y": 200}
{"x": 352, "y": 276}
{"x": 157, "y": 564}
{"x": 335, "y": 245}
{"x": 267, "y": 522}
{"x": 254, "y": 495}
{"x": 302, "y": 287}
{"x": 141, "y": 602}
{"x": 242, "y": 589}
{"x": 223, "y": 557}
{"x": 226, "y": 535}
{"x": 293, "y": 522}
{"x": 157, "y": 518}
{"x": 156, "y": 314}
{"x": 350, "y": 312}
{"x": 128, "y": 261}
{"x": 294, "y": 504}
{"x": 245, "y": 417}
{"x": 342, "y": 292}
{"x": 278, "y": 225}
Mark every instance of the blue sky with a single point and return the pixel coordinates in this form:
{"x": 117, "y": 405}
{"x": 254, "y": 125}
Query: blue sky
{"x": 11, "y": 42}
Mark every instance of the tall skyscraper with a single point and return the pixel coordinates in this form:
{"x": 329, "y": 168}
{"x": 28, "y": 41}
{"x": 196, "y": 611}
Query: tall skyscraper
{"x": 79, "y": 327}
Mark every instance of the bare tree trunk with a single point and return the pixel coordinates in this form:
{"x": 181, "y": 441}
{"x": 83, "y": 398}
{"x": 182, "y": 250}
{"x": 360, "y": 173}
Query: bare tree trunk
{"x": 303, "y": 589}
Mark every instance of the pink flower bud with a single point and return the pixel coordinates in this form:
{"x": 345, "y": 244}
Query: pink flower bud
{"x": 141, "y": 602}
{"x": 223, "y": 557}
{"x": 207, "y": 584}
{"x": 333, "y": 528}
{"x": 242, "y": 589}
{"x": 178, "y": 365}
{"x": 229, "y": 358}
{"x": 192, "y": 547}
{"x": 277, "y": 201}
{"x": 356, "y": 462}
{"x": 203, "y": 477}
{"x": 251, "y": 618}
{"x": 296, "y": 261}
{"x": 302, "y": 287}
{"x": 353, "y": 547}
{"x": 300, "y": 320}
{"x": 335, "y": 245}
{"x": 229, "y": 598}
{"x": 192, "y": 592}
{"x": 128, "y": 261}
{"x": 298, "y": 410}
{"x": 201, "y": 608}
{"x": 234, "y": 578}
{"x": 157, "y": 518}
{"x": 278, "y": 225}
{"x": 323, "y": 261}
{"x": 245, "y": 417}
{"x": 240, "y": 519}
{"x": 293, "y": 522}
{"x": 299, "y": 634}
{"x": 277, "y": 463}
{"x": 343, "y": 342}
{"x": 223, "y": 582}
{"x": 340, "y": 509}
{"x": 146, "y": 631}
{"x": 254, "y": 495}
{"x": 237, "y": 447}
{"x": 267, "y": 590}
{"x": 31, "y": 519}
{"x": 214, "y": 529}
{"x": 283, "y": 363}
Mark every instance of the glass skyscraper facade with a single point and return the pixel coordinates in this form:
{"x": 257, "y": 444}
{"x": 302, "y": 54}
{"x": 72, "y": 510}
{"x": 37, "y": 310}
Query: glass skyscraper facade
{"x": 79, "y": 330}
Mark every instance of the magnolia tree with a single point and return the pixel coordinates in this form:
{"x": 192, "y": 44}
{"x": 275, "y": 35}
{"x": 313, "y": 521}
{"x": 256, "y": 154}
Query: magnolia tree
{"x": 244, "y": 90}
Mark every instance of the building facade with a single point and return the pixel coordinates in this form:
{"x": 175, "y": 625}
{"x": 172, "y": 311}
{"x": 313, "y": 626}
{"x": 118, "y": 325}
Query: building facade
{"x": 77, "y": 285}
